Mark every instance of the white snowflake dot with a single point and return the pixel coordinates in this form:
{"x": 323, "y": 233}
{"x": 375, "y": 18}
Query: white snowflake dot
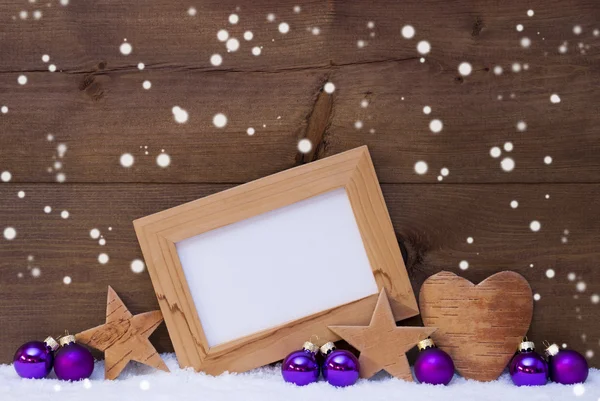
{"x": 67, "y": 280}
{"x": 537, "y": 297}
{"x": 222, "y": 35}
{"x": 126, "y": 160}
{"x": 248, "y": 35}
{"x": 137, "y": 266}
{"x": 22, "y": 80}
{"x": 284, "y": 28}
{"x": 4, "y": 109}
{"x": 554, "y": 98}
{"x": 436, "y": 126}
{"x": 421, "y": 167}
{"x": 507, "y": 164}
{"x": 577, "y": 30}
{"x": 595, "y": 298}
{"x": 548, "y": 160}
{"x": 180, "y": 115}
{"x": 163, "y": 160}
{"x": 256, "y": 51}
{"x": 581, "y": 286}
{"x": 220, "y": 120}
{"x": 232, "y": 44}
{"x": 216, "y": 60}
{"x": 464, "y": 68}
{"x": 10, "y": 233}
{"x": 234, "y": 19}
{"x": 64, "y": 214}
{"x": 522, "y": 126}
{"x": 514, "y": 204}
{"x": 426, "y": 110}
{"x": 550, "y": 273}
{"x": 519, "y": 27}
{"x": 94, "y": 233}
{"x": 530, "y": 13}
{"x": 21, "y": 194}
{"x": 270, "y": 17}
{"x": 498, "y": 70}
{"x": 250, "y": 131}
{"x": 103, "y": 258}
{"x": 525, "y": 42}
{"x": 423, "y": 47}
{"x": 192, "y": 11}
{"x": 329, "y": 87}
{"x": 146, "y": 84}
{"x": 495, "y": 152}
{"x": 535, "y": 226}
{"x": 5, "y": 176}
{"x": 358, "y": 124}
{"x": 304, "y": 145}
{"x": 45, "y": 58}
{"x": 469, "y": 240}
{"x": 125, "y": 48}
{"x": 145, "y": 385}
{"x": 463, "y": 265}
{"x": 408, "y": 31}
{"x": 508, "y": 146}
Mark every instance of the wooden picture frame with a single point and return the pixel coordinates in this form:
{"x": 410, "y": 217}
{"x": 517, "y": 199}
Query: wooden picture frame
{"x": 160, "y": 233}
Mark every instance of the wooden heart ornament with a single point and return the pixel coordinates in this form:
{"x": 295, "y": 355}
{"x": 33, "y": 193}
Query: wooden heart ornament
{"x": 481, "y": 325}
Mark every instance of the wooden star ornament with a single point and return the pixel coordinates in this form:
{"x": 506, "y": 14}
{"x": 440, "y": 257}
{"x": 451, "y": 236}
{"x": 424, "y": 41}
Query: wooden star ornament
{"x": 382, "y": 344}
{"x": 124, "y": 337}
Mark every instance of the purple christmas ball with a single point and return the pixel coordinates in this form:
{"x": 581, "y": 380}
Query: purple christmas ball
{"x": 528, "y": 368}
{"x": 341, "y": 368}
{"x": 300, "y": 367}
{"x": 568, "y": 367}
{"x": 33, "y": 360}
{"x": 434, "y": 366}
{"x": 73, "y": 362}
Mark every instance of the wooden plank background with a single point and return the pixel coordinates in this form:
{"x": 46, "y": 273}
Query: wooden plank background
{"x": 94, "y": 103}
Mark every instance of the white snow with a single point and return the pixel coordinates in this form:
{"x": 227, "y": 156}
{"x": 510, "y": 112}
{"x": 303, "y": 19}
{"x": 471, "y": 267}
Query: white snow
{"x": 139, "y": 382}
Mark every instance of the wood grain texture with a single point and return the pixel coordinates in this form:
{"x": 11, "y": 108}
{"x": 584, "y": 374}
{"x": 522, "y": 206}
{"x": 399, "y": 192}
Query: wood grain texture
{"x": 124, "y": 337}
{"x": 382, "y": 344}
{"x": 95, "y": 104}
{"x": 425, "y": 221}
{"x": 481, "y": 325}
{"x": 159, "y": 232}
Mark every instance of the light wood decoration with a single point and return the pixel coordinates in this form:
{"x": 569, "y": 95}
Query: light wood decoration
{"x": 124, "y": 337}
{"x": 382, "y": 344}
{"x": 481, "y": 325}
{"x": 158, "y": 233}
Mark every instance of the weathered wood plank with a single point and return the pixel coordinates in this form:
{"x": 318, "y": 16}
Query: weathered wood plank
{"x": 97, "y": 105}
{"x": 101, "y": 117}
{"x": 432, "y": 221}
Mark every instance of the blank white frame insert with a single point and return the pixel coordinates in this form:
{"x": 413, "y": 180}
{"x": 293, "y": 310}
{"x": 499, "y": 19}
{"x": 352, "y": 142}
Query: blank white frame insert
{"x": 276, "y": 267}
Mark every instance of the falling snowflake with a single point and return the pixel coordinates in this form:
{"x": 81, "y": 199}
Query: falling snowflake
{"x": 408, "y": 31}
{"x": 220, "y": 120}
{"x": 125, "y": 48}
{"x": 464, "y": 68}
{"x": 463, "y": 265}
{"x": 304, "y": 145}
{"x": 421, "y": 167}
{"x": 329, "y": 87}
{"x": 163, "y": 160}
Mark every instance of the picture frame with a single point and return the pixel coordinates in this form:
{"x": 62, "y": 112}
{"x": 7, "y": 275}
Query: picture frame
{"x": 290, "y": 234}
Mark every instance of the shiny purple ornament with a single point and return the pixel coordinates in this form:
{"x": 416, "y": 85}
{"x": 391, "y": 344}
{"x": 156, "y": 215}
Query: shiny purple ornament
{"x": 527, "y": 367}
{"x": 34, "y": 360}
{"x": 73, "y": 361}
{"x": 341, "y": 367}
{"x": 301, "y": 367}
{"x": 566, "y": 366}
{"x": 433, "y": 365}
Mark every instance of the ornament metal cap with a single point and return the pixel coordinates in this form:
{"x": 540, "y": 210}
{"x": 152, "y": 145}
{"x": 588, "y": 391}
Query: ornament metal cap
{"x": 51, "y": 343}
{"x": 66, "y": 340}
{"x": 426, "y": 343}
{"x": 526, "y": 345}
{"x": 327, "y": 348}
{"x": 310, "y": 347}
{"x": 552, "y": 350}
